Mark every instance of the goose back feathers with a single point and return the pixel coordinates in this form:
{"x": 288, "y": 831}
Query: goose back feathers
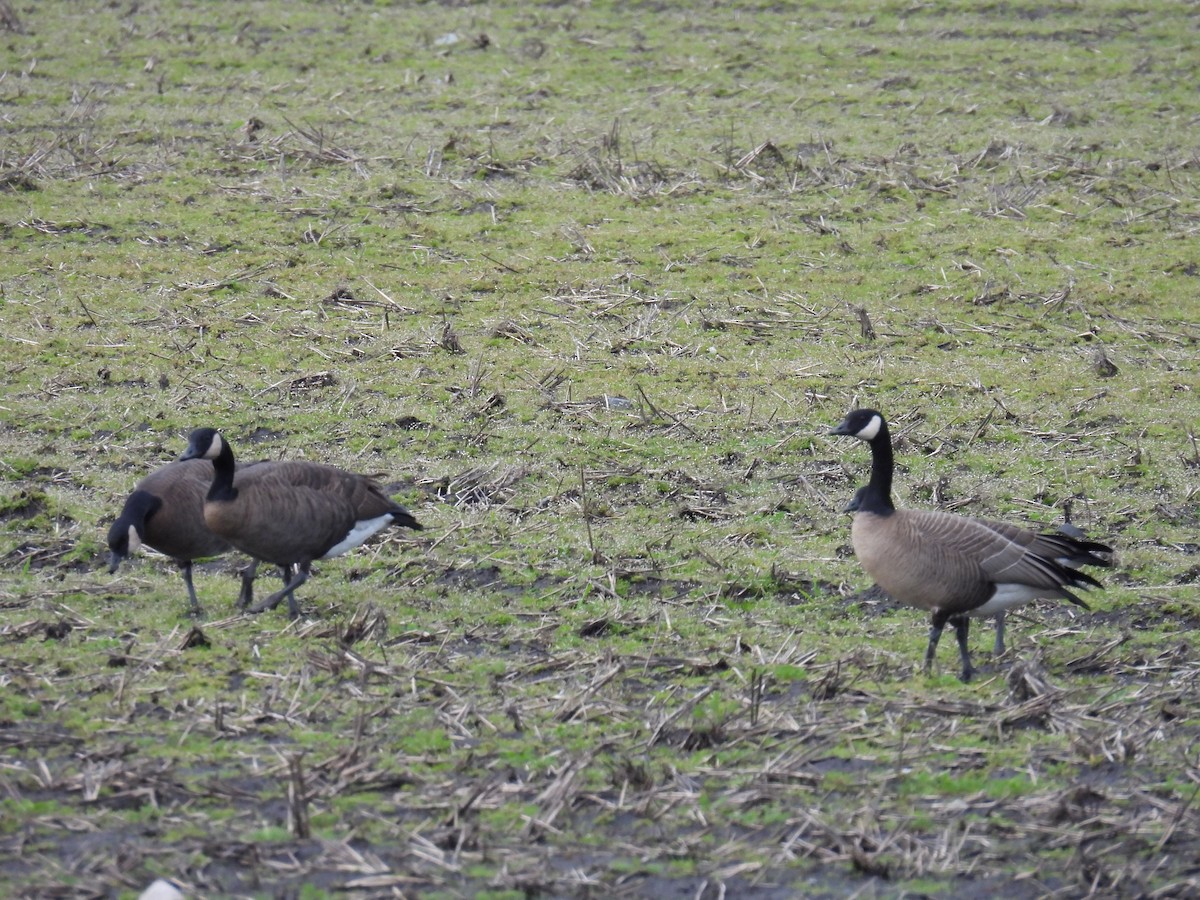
{"x": 290, "y": 513}
{"x": 956, "y": 566}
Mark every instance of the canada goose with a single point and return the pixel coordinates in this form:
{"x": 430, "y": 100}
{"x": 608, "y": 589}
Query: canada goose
{"x": 956, "y": 566}
{"x": 290, "y": 513}
{"x": 165, "y": 511}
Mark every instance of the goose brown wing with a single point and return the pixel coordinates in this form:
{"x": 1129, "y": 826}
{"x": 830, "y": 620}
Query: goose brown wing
{"x": 369, "y": 499}
{"x": 1006, "y": 554}
{"x": 363, "y": 497}
{"x": 375, "y": 502}
{"x": 920, "y": 560}
{"x": 1067, "y": 550}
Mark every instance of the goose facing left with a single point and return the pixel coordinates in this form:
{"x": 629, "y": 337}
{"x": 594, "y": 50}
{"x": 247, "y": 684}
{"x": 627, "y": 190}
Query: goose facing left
{"x": 166, "y": 511}
{"x": 956, "y": 566}
{"x": 290, "y": 513}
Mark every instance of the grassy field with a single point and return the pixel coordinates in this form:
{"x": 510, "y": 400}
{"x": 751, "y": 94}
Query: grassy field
{"x": 587, "y": 285}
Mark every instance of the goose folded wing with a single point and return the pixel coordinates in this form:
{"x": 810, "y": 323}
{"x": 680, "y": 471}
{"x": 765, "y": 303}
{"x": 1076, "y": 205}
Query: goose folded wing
{"x": 1002, "y": 553}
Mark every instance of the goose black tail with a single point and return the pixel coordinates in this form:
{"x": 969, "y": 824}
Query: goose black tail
{"x": 402, "y": 517}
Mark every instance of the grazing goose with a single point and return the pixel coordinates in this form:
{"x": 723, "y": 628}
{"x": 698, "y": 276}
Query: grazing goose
{"x": 956, "y": 566}
{"x": 166, "y": 511}
{"x": 290, "y": 513}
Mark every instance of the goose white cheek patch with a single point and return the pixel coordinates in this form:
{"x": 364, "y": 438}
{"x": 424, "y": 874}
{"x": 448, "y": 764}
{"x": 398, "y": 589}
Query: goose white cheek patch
{"x": 870, "y": 430}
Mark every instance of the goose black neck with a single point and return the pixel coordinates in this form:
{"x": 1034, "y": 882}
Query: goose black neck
{"x": 223, "y": 466}
{"x": 877, "y": 497}
{"x": 139, "y": 509}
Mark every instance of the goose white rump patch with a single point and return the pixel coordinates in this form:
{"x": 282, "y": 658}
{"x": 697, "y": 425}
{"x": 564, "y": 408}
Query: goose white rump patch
{"x": 359, "y": 533}
{"x": 1009, "y": 595}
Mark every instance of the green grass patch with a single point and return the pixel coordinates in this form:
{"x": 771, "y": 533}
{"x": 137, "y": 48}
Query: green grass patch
{"x": 586, "y": 286}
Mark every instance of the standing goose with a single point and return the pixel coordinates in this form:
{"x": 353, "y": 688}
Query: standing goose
{"x": 290, "y": 513}
{"x": 166, "y": 511}
{"x": 956, "y": 566}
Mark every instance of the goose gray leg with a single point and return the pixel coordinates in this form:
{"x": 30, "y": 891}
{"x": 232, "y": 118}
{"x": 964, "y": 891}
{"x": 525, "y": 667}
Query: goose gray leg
{"x": 195, "y": 611}
{"x": 246, "y": 594}
{"x": 288, "y": 591}
{"x": 962, "y": 626}
{"x": 937, "y": 623}
{"x": 998, "y": 650}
